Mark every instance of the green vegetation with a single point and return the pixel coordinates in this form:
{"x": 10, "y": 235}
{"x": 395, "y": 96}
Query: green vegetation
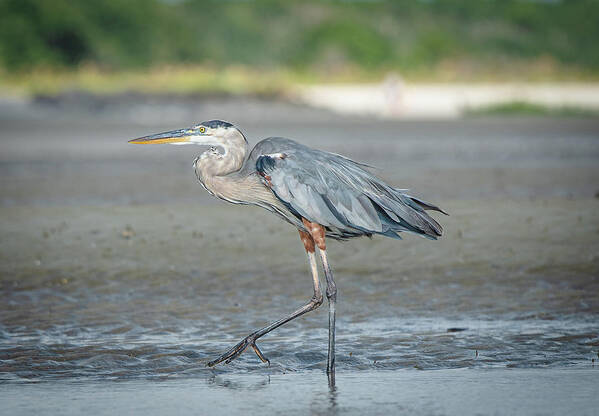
{"x": 324, "y": 40}
{"x": 523, "y": 108}
{"x": 155, "y": 80}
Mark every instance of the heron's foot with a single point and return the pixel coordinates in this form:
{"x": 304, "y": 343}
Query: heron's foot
{"x": 230, "y": 355}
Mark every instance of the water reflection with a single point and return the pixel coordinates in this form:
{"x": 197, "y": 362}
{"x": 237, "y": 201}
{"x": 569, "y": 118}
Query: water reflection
{"x": 321, "y": 400}
{"x": 332, "y": 390}
{"x": 230, "y": 382}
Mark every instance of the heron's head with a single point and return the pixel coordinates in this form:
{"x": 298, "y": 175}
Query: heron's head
{"x": 210, "y": 133}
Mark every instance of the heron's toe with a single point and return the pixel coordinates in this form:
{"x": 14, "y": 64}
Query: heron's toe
{"x": 236, "y": 351}
{"x": 259, "y": 353}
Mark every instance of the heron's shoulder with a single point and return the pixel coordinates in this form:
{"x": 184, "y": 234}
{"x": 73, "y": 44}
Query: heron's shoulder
{"x": 277, "y": 145}
{"x": 304, "y": 155}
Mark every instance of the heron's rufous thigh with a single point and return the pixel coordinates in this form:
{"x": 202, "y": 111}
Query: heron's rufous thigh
{"x": 317, "y": 232}
{"x": 307, "y": 240}
{"x": 310, "y": 250}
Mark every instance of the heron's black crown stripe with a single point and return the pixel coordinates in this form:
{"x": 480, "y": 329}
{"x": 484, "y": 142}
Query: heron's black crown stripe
{"x": 213, "y": 124}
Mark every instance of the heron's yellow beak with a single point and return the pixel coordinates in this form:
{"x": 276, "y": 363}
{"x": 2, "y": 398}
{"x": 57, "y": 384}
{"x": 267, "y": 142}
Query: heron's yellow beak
{"x": 174, "y": 136}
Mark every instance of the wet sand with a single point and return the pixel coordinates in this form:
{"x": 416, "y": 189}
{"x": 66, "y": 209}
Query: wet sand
{"x": 116, "y": 266}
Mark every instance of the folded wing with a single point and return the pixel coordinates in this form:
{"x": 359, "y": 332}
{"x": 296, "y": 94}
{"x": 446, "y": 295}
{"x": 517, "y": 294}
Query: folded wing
{"x": 340, "y": 194}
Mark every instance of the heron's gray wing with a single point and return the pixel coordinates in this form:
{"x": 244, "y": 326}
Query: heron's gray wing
{"x": 338, "y": 193}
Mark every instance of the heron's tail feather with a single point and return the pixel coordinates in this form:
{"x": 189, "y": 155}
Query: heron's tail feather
{"x": 400, "y": 212}
{"x": 426, "y": 205}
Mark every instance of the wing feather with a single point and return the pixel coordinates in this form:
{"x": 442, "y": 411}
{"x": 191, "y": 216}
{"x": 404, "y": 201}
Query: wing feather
{"x": 339, "y": 193}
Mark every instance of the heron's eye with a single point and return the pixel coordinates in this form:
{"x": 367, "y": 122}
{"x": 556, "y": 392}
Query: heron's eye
{"x": 202, "y": 129}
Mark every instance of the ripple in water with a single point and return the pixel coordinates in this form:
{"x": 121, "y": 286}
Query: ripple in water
{"x": 119, "y": 352}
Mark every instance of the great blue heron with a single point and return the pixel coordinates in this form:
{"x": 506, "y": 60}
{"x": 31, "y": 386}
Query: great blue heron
{"x": 322, "y": 194}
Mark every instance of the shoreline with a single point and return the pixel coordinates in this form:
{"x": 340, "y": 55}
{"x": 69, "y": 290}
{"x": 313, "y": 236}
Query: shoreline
{"x": 391, "y": 99}
{"x": 396, "y": 99}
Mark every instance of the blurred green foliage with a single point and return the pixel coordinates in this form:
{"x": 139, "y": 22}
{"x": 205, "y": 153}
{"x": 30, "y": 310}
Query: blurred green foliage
{"x": 296, "y": 34}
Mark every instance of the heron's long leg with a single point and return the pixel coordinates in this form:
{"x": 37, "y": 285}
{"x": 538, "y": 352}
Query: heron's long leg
{"x": 318, "y": 232}
{"x": 315, "y": 302}
{"x": 332, "y": 297}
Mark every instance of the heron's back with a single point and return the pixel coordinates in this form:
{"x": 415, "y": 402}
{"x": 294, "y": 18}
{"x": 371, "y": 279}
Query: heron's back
{"x": 337, "y": 192}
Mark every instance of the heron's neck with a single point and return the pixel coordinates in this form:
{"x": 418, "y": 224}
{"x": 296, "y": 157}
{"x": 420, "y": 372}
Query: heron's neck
{"x": 231, "y": 160}
{"x": 218, "y": 173}
{"x": 235, "y": 149}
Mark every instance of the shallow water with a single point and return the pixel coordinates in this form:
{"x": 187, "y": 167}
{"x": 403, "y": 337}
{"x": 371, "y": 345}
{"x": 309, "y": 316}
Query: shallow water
{"x": 120, "y": 278}
{"x": 454, "y": 392}
{"x": 115, "y": 352}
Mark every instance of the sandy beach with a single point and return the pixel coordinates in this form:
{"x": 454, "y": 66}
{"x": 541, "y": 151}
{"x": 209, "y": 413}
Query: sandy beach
{"x": 395, "y": 98}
